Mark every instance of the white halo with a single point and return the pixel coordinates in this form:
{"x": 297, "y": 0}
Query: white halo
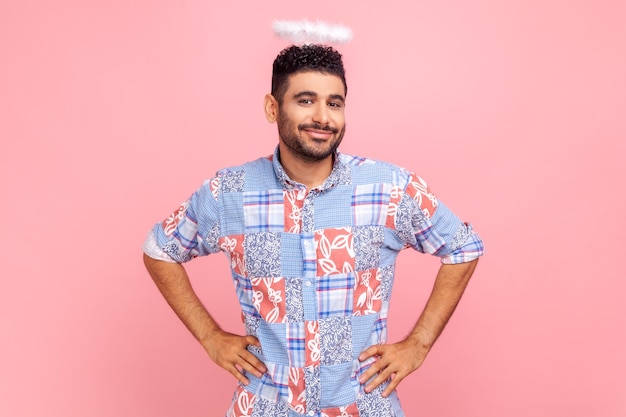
{"x": 304, "y": 31}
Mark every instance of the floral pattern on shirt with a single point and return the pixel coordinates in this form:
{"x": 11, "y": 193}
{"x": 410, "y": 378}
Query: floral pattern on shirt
{"x": 313, "y": 387}
{"x": 242, "y": 404}
{"x": 347, "y": 411}
{"x": 336, "y": 340}
{"x": 297, "y": 390}
{"x": 312, "y": 346}
{"x": 425, "y": 199}
{"x": 262, "y": 255}
{"x": 374, "y": 404}
{"x": 232, "y": 181}
{"x": 294, "y": 200}
{"x": 313, "y": 271}
{"x": 233, "y": 246}
{"x": 368, "y": 292}
{"x": 171, "y": 222}
{"x": 386, "y": 284}
{"x": 462, "y": 234}
{"x": 266, "y": 408}
{"x": 174, "y": 249}
{"x": 293, "y": 298}
{"x": 407, "y": 220}
{"x": 392, "y": 207}
{"x": 269, "y": 298}
{"x": 335, "y": 251}
{"x": 367, "y": 243}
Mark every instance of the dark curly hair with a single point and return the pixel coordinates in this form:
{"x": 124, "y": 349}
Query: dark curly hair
{"x": 294, "y": 59}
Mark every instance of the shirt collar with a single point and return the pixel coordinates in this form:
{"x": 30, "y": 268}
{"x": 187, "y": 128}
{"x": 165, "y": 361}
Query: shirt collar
{"x": 338, "y": 175}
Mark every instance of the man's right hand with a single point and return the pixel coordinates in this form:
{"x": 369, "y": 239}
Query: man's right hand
{"x": 227, "y": 350}
{"x": 230, "y": 352}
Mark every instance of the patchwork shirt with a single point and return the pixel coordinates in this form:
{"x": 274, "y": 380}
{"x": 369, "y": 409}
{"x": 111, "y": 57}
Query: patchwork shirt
{"x": 313, "y": 271}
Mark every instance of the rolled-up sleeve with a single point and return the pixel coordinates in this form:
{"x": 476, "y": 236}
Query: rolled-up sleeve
{"x": 192, "y": 229}
{"x": 436, "y": 230}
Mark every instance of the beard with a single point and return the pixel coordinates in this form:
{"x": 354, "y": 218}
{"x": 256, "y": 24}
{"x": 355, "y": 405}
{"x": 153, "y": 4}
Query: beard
{"x": 289, "y": 134}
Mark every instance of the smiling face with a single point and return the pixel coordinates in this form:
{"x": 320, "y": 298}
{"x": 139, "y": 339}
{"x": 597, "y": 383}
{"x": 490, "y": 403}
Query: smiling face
{"x": 310, "y": 116}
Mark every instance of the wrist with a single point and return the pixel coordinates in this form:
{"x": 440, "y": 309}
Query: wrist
{"x": 419, "y": 340}
{"x": 210, "y": 334}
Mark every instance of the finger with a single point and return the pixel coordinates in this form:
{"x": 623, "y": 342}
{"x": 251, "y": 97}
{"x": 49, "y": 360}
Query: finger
{"x": 252, "y": 364}
{"x": 395, "y": 380}
{"x": 382, "y": 377}
{"x": 247, "y": 368}
{"x": 251, "y": 358}
{"x": 371, "y": 372}
{"x": 373, "y": 384}
{"x": 375, "y": 368}
{"x": 388, "y": 375}
{"x": 237, "y": 374}
{"x": 376, "y": 350}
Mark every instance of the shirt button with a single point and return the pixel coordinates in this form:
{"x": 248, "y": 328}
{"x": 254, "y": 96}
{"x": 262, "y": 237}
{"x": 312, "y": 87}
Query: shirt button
{"x": 306, "y": 243}
{"x": 311, "y": 413}
{"x": 308, "y": 284}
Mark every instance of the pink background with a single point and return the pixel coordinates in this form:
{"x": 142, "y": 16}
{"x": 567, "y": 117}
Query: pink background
{"x": 111, "y": 113}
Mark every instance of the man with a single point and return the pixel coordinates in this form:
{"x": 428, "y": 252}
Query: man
{"x": 312, "y": 236}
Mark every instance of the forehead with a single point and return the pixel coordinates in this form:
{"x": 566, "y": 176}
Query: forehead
{"x": 315, "y": 82}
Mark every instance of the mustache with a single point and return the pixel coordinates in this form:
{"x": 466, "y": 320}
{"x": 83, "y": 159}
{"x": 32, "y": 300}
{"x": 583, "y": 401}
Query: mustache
{"x": 318, "y": 126}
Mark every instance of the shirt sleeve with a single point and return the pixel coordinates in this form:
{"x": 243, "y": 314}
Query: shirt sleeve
{"x": 192, "y": 230}
{"x": 152, "y": 249}
{"x": 433, "y": 228}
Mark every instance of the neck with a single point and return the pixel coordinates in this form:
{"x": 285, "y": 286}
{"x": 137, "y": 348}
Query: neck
{"x": 310, "y": 173}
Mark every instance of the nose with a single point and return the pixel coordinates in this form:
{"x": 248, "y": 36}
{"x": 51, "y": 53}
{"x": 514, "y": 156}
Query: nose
{"x": 320, "y": 114}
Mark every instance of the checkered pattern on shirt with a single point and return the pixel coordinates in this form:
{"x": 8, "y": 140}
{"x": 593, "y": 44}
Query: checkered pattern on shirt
{"x": 313, "y": 270}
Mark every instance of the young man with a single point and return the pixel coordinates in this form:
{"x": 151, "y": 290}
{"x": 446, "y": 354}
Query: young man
{"x": 312, "y": 236}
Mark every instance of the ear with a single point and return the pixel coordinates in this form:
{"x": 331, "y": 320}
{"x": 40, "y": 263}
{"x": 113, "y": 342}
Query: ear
{"x": 271, "y": 108}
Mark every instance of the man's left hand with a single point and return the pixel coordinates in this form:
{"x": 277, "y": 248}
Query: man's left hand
{"x": 395, "y": 361}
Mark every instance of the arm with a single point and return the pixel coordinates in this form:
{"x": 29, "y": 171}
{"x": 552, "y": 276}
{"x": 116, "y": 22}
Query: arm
{"x": 398, "y": 360}
{"x": 225, "y": 349}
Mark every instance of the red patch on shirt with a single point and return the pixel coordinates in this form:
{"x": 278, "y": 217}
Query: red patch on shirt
{"x": 420, "y": 192}
{"x": 335, "y": 251}
{"x": 233, "y": 246}
{"x": 269, "y": 298}
{"x": 294, "y": 200}
{"x": 297, "y": 390}
{"x": 367, "y": 292}
{"x": 312, "y": 343}
{"x": 346, "y": 411}
{"x": 171, "y": 223}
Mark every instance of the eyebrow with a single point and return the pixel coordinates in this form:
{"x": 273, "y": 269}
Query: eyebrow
{"x": 314, "y": 94}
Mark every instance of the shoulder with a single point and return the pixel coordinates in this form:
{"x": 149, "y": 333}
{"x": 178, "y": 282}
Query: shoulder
{"x": 238, "y": 178}
{"x": 370, "y": 170}
{"x": 262, "y": 163}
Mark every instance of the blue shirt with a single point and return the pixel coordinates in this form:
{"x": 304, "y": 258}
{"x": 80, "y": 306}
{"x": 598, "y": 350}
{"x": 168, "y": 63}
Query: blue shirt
{"x": 313, "y": 271}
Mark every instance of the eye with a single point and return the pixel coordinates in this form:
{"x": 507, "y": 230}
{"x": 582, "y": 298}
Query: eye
{"x": 305, "y": 101}
{"x": 335, "y": 104}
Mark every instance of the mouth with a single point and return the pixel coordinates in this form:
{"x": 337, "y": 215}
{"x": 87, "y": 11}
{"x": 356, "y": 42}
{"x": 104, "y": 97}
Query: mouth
{"x": 318, "y": 132}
